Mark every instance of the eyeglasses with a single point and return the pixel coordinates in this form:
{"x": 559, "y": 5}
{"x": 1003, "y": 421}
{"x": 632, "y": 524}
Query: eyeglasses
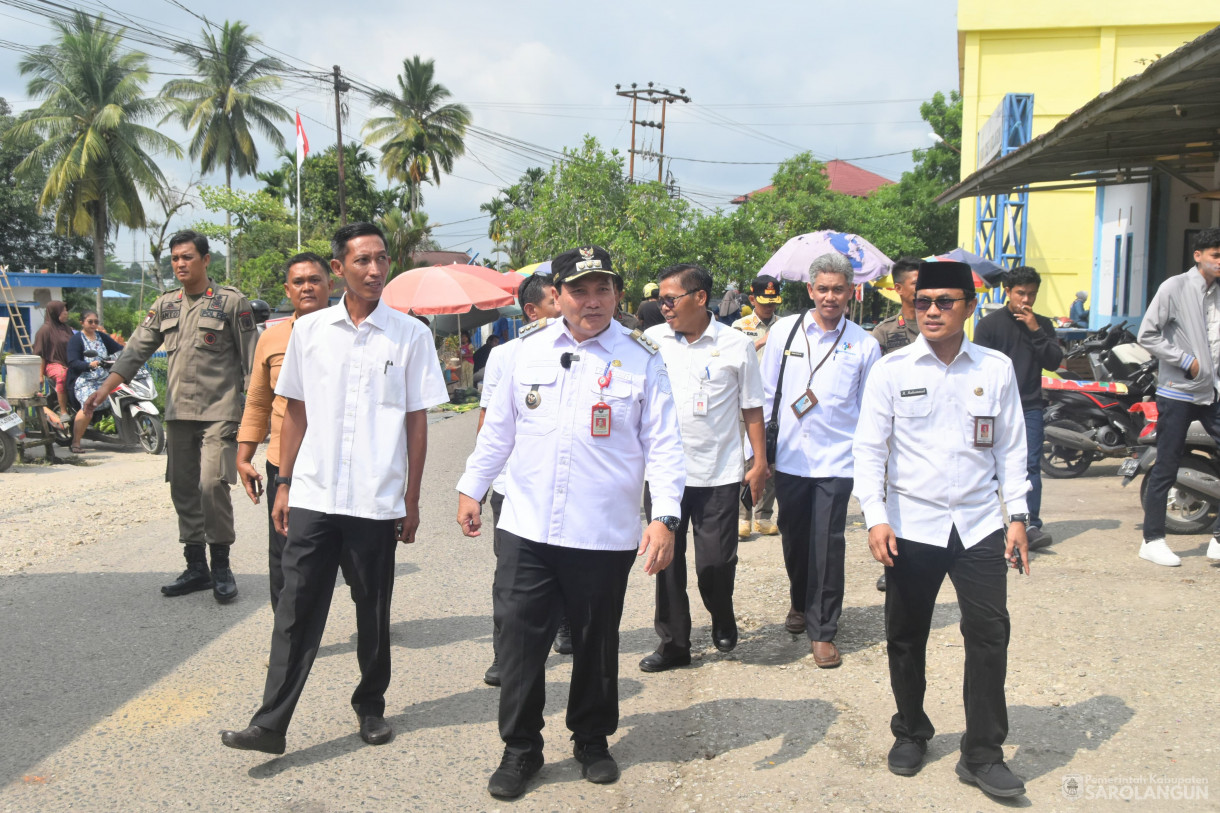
{"x": 668, "y": 301}
{"x": 944, "y": 303}
{"x": 91, "y": 322}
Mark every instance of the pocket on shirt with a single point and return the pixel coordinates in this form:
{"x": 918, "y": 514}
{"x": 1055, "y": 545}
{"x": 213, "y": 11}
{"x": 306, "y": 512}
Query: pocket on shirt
{"x": 393, "y": 387}
{"x": 211, "y": 336}
{"x": 536, "y": 384}
{"x": 982, "y": 407}
{"x": 916, "y": 409}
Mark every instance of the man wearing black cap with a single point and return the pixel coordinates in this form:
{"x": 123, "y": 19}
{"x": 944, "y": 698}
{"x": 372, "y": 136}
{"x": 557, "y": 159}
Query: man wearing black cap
{"x": 584, "y": 411}
{"x": 940, "y": 424}
{"x": 765, "y": 299}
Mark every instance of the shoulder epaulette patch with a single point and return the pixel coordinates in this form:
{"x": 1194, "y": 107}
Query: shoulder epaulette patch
{"x": 532, "y": 327}
{"x": 645, "y": 342}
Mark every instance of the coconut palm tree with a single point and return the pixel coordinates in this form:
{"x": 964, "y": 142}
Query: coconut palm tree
{"x": 226, "y": 100}
{"x": 405, "y": 233}
{"x": 422, "y": 136}
{"x": 95, "y": 152}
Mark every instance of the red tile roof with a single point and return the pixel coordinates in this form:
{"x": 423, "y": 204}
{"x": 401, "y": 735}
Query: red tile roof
{"x": 845, "y": 178}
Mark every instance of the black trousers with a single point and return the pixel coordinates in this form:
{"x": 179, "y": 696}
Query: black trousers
{"x": 1172, "y": 423}
{"x": 979, "y": 574}
{"x": 534, "y": 583}
{"x": 317, "y": 545}
{"x": 711, "y": 513}
{"x": 497, "y": 505}
{"x": 275, "y": 542}
{"x": 812, "y": 520}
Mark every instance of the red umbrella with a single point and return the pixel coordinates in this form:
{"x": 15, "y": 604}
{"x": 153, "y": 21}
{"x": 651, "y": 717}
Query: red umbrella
{"x": 440, "y": 289}
{"x": 506, "y": 282}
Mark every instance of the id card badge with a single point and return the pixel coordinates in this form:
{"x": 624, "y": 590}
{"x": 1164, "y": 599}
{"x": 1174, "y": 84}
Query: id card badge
{"x": 700, "y": 404}
{"x": 599, "y": 425}
{"x": 806, "y": 402}
{"x": 984, "y": 431}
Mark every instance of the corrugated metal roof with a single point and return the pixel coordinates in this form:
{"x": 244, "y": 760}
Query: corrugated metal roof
{"x": 1166, "y": 119}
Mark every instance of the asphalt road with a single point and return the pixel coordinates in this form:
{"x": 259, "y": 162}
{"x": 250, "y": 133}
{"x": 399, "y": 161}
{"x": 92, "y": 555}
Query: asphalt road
{"x": 112, "y": 696}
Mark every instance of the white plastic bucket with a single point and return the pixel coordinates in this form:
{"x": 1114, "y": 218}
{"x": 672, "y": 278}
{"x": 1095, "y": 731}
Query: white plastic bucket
{"x": 21, "y": 379}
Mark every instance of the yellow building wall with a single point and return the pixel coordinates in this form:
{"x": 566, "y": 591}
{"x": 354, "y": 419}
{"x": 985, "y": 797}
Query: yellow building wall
{"x": 1065, "y": 53}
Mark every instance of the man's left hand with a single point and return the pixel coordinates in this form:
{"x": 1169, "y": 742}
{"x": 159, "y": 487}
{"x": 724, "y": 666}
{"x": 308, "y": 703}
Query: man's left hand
{"x": 1017, "y": 540}
{"x": 657, "y": 547}
{"x": 756, "y": 477}
{"x": 1026, "y": 317}
{"x": 406, "y": 525}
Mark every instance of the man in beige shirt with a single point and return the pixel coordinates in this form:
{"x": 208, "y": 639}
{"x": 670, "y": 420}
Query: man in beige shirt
{"x": 307, "y": 284}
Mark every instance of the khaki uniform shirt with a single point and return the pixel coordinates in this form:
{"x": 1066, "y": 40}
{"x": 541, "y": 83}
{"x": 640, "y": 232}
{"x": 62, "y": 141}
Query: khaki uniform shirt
{"x": 895, "y": 333}
{"x": 263, "y": 406}
{"x": 209, "y": 344}
{"x": 754, "y": 327}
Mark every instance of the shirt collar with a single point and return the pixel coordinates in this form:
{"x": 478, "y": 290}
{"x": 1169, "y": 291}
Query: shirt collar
{"x": 812, "y": 325}
{"x": 924, "y": 350}
{"x": 711, "y": 332}
{"x": 606, "y": 339}
{"x": 379, "y": 317}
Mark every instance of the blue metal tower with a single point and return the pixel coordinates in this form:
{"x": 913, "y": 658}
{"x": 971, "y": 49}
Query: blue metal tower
{"x": 1000, "y": 221}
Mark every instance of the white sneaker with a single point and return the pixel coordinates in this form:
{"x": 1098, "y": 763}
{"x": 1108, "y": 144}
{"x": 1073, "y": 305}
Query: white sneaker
{"x": 1213, "y": 549}
{"x": 1159, "y": 553}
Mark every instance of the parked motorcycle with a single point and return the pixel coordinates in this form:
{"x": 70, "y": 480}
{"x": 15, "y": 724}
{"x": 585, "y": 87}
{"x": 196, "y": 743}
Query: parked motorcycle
{"x": 1194, "y": 498}
{"x": 1090, "y": 420}
{"x": 12, "y": 433}
{"x": 136, "y": 417}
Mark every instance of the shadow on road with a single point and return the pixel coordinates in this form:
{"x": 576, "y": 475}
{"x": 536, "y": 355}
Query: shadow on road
{"x": 424, "y": 633}
{"x": 1064, "y": 530}
{"x": 78, "y": 646}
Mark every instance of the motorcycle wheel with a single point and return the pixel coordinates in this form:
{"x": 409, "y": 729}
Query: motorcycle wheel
{"x": 150, "y": 432}
{"x": 1060, "y": 462}
{"x": 1185, "y": 513}
{"x": 8, "y": 451}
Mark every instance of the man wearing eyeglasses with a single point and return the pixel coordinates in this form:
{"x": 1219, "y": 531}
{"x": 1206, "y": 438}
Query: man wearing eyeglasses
{"x": 1030, "y": 343}
{"x": 813, "y": 375}
{"x": 941, "y": 423}
{"x": 714, "y": 373}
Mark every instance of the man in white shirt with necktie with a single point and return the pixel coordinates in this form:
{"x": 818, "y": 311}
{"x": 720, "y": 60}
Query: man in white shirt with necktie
{"x": 941, "y": 440}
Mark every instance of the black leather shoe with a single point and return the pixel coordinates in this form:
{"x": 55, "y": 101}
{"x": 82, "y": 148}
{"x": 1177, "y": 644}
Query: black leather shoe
{"x": 510, "y": 779}
{"x": 254, "y": 738}
{"x": 492, "y": 676}
{"x": 596, "y": 764}
{"x": 656, "y": 662}
{"x": 563, "y": 638}
{"x": 224, "y": 586}
{"x": 724, "y": 635}
{"x": 1038, "y": 538}
{"x": 906, "y": 757}
{"x": 881, "y": 582}
{"x": 994, "y": 778}
{"x": 192, "y": 580}
{"x": 375, "y": 730}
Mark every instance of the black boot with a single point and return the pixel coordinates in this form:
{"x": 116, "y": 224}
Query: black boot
{"x": 224, "y": 586}
{"x": 195, "y": 577}
{"x": 563, "y": 637}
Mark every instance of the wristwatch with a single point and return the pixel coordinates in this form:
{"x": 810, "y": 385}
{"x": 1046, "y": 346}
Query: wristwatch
{"x": 1021, "y": 518}
{"x": 671, "y": 523}
{"x": 283, "y": 481}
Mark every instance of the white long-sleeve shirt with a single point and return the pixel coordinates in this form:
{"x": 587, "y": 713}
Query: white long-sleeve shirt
{"x": 818, "y": 444}
{"x": 500, "y": 358}
{"x": 565, "y": 486}
{"x": 917, "y": 431}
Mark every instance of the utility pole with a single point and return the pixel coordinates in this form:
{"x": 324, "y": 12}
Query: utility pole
{"x": 661, "y": 96}
{"x": 340, "y": 87}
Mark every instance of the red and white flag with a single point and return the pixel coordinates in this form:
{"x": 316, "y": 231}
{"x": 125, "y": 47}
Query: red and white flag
{"x": 302, "y": 142}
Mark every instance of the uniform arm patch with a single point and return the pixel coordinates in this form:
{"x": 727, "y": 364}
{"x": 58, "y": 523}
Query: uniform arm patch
{"x": 245, "y": 320}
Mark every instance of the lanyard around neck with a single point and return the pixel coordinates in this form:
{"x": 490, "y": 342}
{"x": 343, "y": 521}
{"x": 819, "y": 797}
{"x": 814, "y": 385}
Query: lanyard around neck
{"x": 809, "y": 352}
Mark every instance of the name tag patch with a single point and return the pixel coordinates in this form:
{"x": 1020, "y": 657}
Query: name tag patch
{"x": 913, "y": 393}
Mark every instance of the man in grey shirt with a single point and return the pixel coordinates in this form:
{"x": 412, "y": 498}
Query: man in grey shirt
{"x": 1182, "y": 330}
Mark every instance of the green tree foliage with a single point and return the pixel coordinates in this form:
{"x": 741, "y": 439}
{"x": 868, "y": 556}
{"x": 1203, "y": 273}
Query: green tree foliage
{"x": 93, "y": 151}
{"x": 936, "y": 169}
{"x": 422, "y": 136}
{"x": 27, "y": 238}
{"x": 228, "y": 97}
{"x": 320, "y": 188}
{"x": 405, "y": 233}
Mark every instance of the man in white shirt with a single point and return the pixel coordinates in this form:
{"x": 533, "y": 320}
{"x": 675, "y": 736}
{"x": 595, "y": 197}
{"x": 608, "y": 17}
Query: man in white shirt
{"x": 714, "y": 373}
{"x": 536, "y": 297}
{"x": 358, "y": 379}
{"x": 584, "y": 412}
{"x": 823, "y": 359}
{"x": 940, "y": 425}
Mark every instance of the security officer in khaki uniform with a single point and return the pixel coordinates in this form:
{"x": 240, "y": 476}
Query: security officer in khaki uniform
{"x": 209, "y": 335}
{"x": 901, "y": 329}
{"x": 765, "y": 300}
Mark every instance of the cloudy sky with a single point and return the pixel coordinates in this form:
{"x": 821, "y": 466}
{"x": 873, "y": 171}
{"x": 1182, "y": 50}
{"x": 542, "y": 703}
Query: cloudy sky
{"x": 766, "y": 80}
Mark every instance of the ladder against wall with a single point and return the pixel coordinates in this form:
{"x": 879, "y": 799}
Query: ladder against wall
{"x": 10, "y": 303}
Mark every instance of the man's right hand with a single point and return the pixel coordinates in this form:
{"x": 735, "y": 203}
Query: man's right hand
{"x": 469, "y": 515}
{"x": 249, "y": 477}
{"x": 279, "y": 513}
{"x": 1194, "y": 369}
{"x": 883, "y": 543}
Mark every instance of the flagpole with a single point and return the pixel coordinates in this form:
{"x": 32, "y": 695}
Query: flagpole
{"x": 298, "y": 204}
